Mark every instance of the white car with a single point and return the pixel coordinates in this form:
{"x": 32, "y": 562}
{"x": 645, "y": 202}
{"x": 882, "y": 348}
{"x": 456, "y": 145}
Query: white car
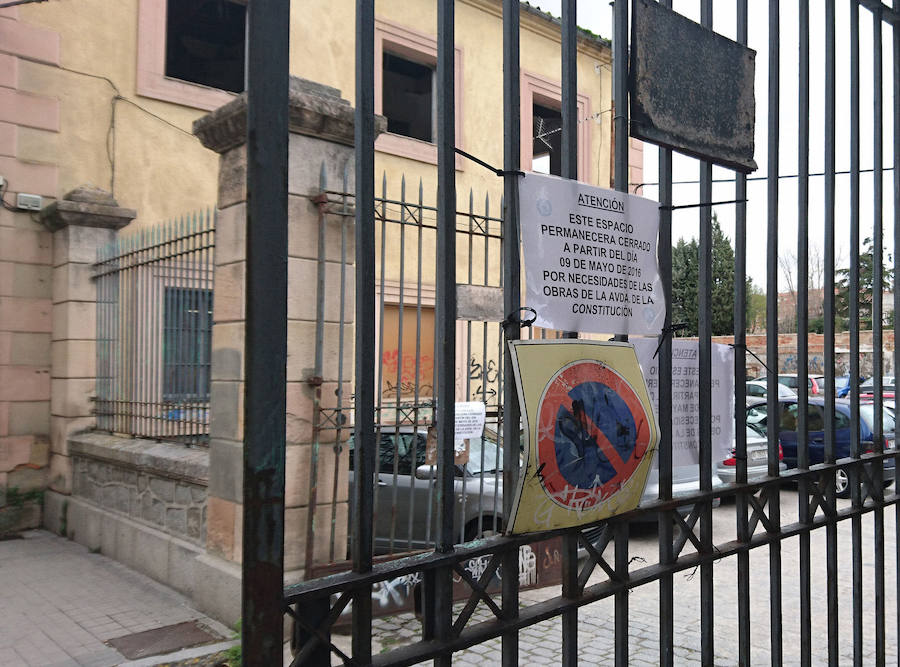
{"x": 760, "y": 388}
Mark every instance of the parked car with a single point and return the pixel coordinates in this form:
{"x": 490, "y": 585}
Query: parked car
{"x": 760, "y": 388}
{"x": 814, "y": 383}
{"x": 867, "y": 389}
{"x": 757, "y": 458}
{"x": 815, "y": 420}
{"x": 405, "y": 516}
{"x": 404, "y": 504}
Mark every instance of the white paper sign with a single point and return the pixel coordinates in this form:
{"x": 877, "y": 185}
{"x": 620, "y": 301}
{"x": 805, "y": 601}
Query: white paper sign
{"x": 686, "y": 397}
{"x": 469, "y": 420}
{"x": 590, "y": 257}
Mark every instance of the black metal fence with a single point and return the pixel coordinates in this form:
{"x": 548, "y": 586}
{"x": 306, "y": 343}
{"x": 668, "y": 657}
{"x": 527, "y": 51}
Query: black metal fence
{"x": 154, "y": 331}
{"x": 686, "y": 540}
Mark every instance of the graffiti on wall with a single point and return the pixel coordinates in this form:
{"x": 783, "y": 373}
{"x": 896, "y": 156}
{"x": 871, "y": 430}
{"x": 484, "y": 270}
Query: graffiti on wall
{"x": 400, "y": 374}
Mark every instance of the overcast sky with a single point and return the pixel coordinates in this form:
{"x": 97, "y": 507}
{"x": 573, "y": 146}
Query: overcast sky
{"x": 598, "y": 18}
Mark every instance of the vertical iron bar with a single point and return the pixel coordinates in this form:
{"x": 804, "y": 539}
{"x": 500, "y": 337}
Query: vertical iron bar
{"x": 262, "y": 574}
{"x": 415, "y": 409}
{"x": 399, "y": 377}
{"x": 379, "y": 384}
{"x": 512, "y": 123}
{"x": 620, "y": 94}
{"x": 312, "y": 498}
{"x": 620, "y": 155}
{"x": 877, "y": 335}
{"x": 445, "y": 317}
{"x": 569, "y": 170}
{"x": 181, "y": 298}
{"x": 774, "y": 504}
{"x": 740, "y": 375}
{"x": 895, "y": 33}
{"x": 802, "y": 328}
{"x": 156, "y": 332}
{"x": 666, "y": 552}
{"x": 364, "y": 371}
{"x": 140, "y": 325}
{"x": 132, "y": 331}
{"x": 828, "y": 305}
{"x": 620, "y": 533}
{"x": 707, "y": 599}
{"x": 340, "y": 415}
{"x": 856, "y": 521}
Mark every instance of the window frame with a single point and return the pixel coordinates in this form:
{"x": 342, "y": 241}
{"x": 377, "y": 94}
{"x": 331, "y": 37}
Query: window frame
{"x": 151, "y": 65}
{"x": 537, "y": 89}
{"x": 420, "y": 48}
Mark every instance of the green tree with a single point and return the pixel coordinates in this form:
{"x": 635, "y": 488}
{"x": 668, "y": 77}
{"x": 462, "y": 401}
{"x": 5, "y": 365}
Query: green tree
{"x": 842, "y": 295}
{"x": 686, "y": 278}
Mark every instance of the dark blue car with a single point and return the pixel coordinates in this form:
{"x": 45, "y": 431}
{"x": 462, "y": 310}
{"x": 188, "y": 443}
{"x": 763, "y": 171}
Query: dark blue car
{"x": 815, "y": 421}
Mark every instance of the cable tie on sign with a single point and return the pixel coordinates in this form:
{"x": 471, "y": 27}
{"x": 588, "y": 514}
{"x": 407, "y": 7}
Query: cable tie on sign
{"x": 744, "y": 347}
{"x": 515, "y": 319}
{"x": 499, "y": 172}
{"x": 667, "y": 332}
{"x": 701, "y": 204}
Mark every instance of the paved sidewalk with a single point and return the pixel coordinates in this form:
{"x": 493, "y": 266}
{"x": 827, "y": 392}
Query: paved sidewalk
{"x": 59, "y": 604}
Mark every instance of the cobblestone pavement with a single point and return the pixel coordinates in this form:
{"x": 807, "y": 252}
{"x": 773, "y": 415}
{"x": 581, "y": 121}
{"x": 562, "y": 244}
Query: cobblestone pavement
{"x": 59, "y": 603}
{"x": 541, "y": 644}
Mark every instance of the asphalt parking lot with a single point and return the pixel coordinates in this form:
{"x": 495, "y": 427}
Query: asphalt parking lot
{"x": 541, "y": 643}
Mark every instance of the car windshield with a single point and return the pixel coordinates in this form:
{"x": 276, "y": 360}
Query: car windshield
{"x": 867, "y": 412}
{"x": 755, "y": 431}
{"x": 484, "y": 456}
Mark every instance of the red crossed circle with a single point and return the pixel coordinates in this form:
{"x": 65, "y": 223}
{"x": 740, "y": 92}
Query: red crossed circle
{"x": 557, "y": 395}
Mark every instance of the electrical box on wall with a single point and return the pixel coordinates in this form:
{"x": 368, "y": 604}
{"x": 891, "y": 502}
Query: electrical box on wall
{"x": 28, "y": 202}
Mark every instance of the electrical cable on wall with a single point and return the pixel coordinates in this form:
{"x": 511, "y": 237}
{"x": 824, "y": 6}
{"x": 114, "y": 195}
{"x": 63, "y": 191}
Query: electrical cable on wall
{"x": 111, "y": 129}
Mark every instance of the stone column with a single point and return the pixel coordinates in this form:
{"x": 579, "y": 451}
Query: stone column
{"x": 84, "y": 220}
{"x": 321, "y": 141}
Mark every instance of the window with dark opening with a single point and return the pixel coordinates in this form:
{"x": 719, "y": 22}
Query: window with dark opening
{"x": 187, "y": 344}
{"x": 546, "y": 152}
{"x": 205, "y": 42}
{"x": 407, "y": 97}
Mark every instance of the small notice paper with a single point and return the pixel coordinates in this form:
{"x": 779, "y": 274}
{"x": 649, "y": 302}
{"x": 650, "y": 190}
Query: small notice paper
{"x": 469, "y": 420}
{"x": 590, "y": 257}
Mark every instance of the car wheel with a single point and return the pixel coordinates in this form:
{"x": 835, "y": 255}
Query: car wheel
{"x": 841, "y": 484}
{"x": 488, "y": 528}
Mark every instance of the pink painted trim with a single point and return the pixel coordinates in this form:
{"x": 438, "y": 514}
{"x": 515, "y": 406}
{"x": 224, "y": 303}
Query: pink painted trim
{"x": 9, "y": 71}
{"x": 151, "y": 60}
{"x": 20, "y": 39}
{"x": 422, "y": 48}
{"x": 536, "y": 88}
{"x": 7, "y": 139}
{"x": 39, "y": 179}
{"x": 35, "y": 111}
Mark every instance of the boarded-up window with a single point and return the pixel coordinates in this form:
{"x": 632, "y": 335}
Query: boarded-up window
{"x": 401, "y": 369}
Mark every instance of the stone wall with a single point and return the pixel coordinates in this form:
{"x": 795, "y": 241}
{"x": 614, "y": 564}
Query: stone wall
{"x": 787, "y": 352}
{"x": 159, "y": 484}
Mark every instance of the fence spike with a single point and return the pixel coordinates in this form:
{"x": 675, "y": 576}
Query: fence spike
{"x": 487, "y": 205}
{"x": 403, "y": 198}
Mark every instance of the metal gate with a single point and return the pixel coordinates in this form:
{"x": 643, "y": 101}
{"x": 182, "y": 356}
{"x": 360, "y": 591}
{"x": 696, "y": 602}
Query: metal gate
{"x": 686, "y": 541}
